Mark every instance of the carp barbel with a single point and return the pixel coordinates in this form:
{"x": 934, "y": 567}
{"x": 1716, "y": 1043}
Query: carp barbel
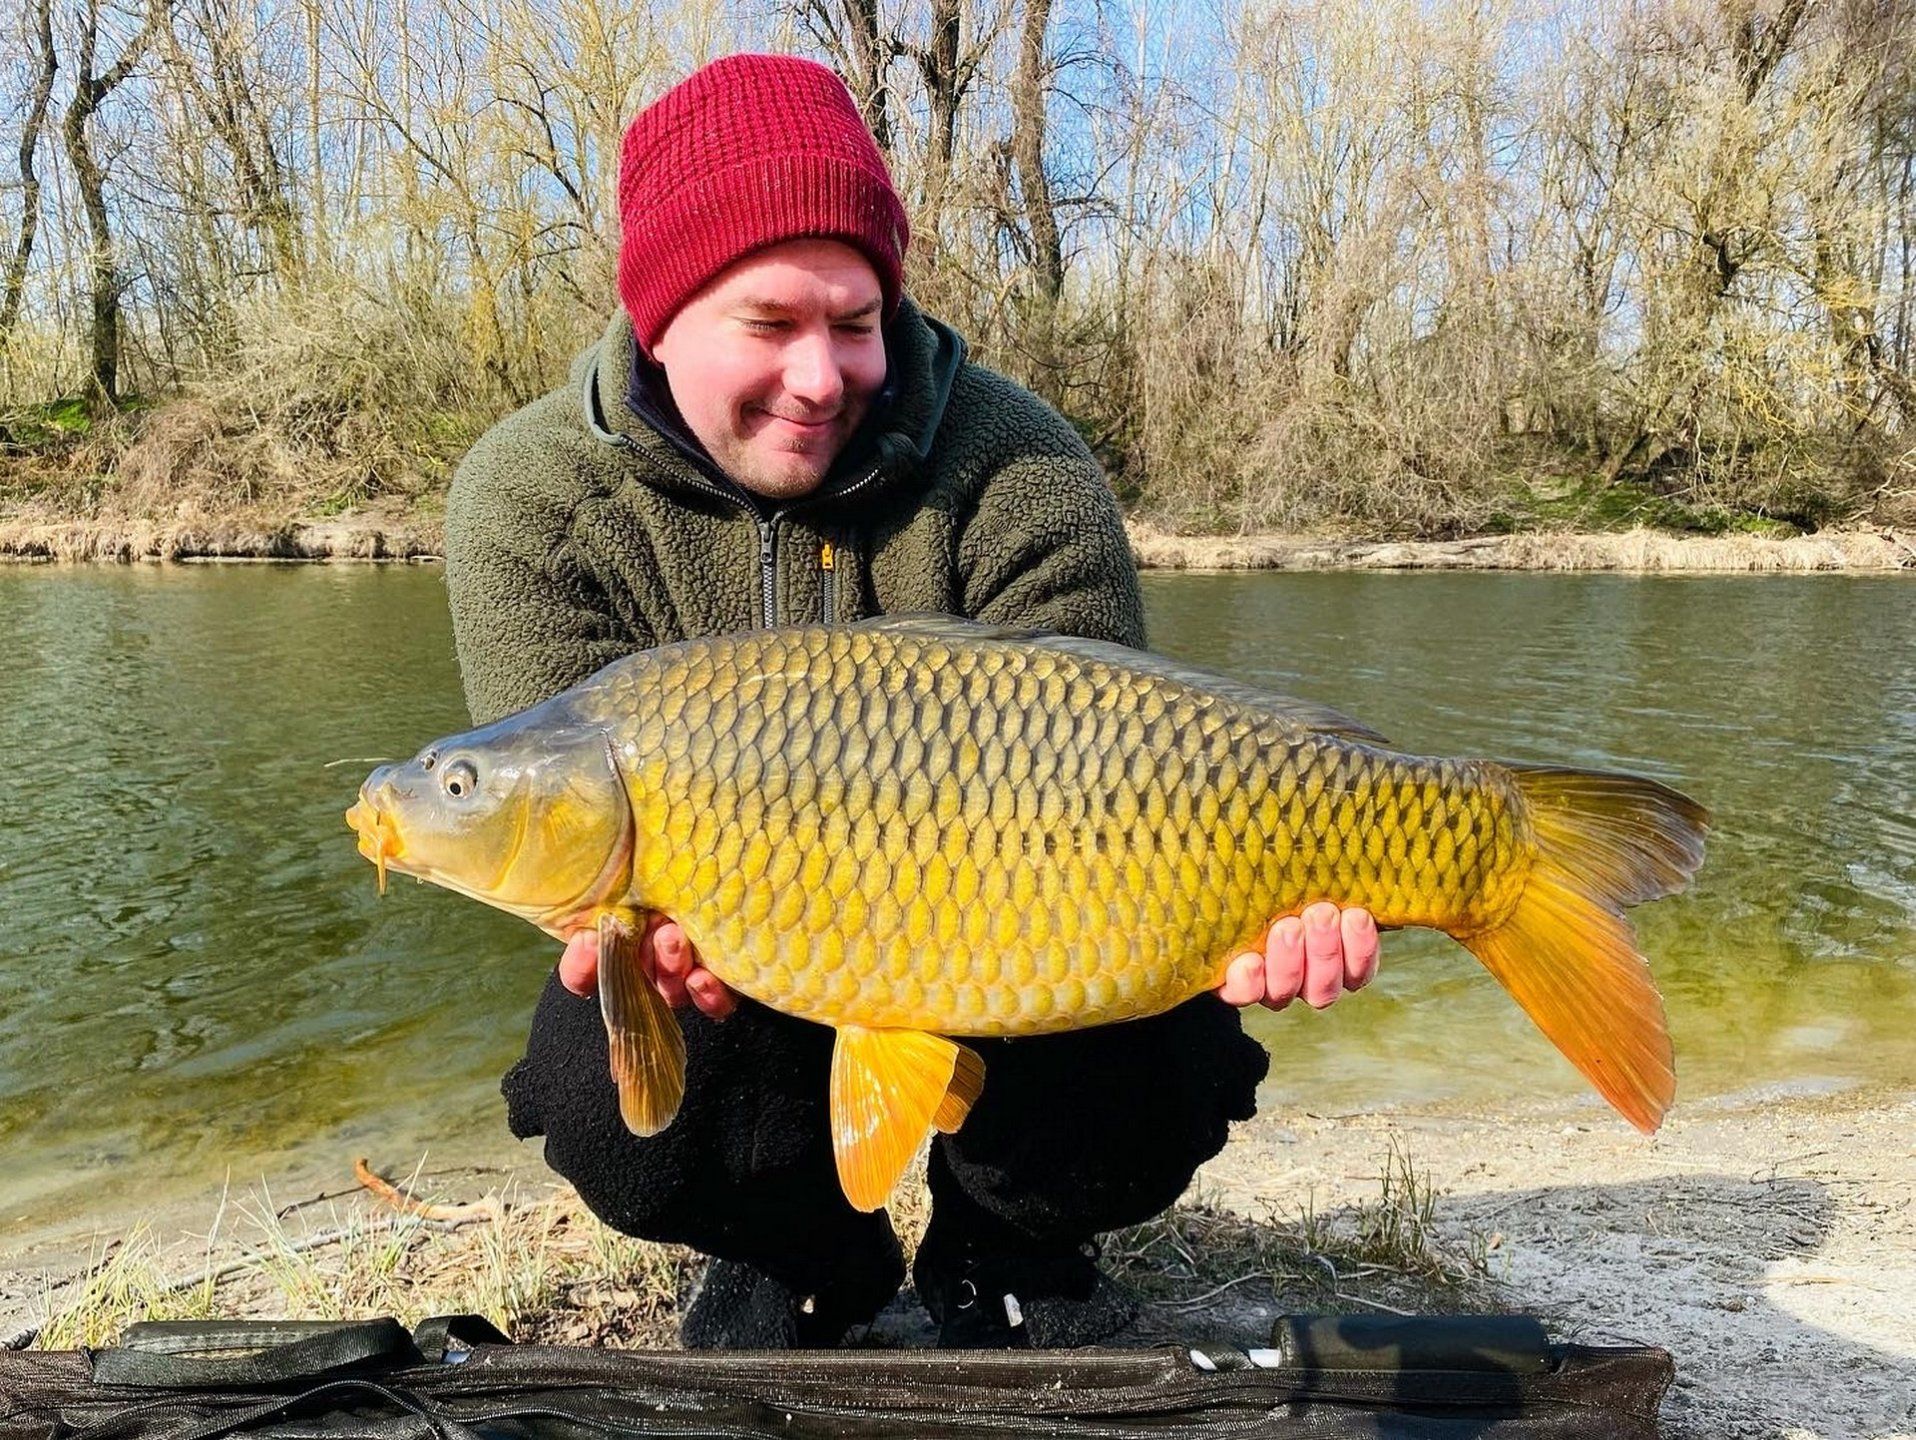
{"x": 920, "y": 827}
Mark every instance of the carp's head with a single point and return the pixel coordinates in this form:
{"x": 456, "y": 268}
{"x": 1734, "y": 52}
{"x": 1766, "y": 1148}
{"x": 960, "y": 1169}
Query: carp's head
{"x": 528, "y": 814}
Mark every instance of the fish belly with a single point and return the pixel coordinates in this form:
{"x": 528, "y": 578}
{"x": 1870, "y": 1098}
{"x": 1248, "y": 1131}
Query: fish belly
{"x": 887, "y": 829}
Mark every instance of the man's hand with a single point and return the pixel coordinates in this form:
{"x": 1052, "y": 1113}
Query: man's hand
{"x": 1315, "y": 956}
{"x": 666, "y": 956}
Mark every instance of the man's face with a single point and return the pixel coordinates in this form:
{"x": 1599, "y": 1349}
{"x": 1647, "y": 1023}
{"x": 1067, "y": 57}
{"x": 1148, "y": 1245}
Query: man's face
{"x": 776, "y": 361}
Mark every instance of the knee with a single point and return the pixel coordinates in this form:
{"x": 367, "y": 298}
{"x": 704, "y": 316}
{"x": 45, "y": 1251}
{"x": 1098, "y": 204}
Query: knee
{"x": 749, "y": 1130}
{"x": 1105, "y": 1128}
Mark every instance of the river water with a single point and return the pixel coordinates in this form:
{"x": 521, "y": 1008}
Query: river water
{"x": 198, "y": 980}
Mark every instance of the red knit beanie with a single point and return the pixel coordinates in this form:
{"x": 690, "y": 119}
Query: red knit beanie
{"x": 744, "y": 153}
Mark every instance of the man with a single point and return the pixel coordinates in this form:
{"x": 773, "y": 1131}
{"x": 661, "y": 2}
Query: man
{"x": 770, "y": 433}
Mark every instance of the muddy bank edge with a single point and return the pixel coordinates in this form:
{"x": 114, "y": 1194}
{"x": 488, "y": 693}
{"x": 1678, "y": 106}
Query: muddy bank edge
{"x": 380, "y": 537}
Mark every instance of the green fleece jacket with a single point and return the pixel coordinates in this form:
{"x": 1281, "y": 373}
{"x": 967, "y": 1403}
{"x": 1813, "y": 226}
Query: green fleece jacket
{"x": 576, "y": 532}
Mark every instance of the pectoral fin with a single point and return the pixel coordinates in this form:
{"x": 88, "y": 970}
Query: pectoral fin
{"x": 646, "y": 1045}
{"x": 890, "y": 1088}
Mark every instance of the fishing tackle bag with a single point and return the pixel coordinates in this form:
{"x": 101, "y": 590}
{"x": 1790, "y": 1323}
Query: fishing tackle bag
{"x": 457, "y": 1378}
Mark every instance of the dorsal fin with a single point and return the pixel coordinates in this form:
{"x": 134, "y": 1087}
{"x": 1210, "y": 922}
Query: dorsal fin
{"x": 1304, "y": 714}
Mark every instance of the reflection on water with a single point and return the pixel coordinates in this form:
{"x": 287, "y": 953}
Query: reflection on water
{"x": 194, "y": 971}
{"x": 196, "y": 974}
{"x": 1786, "y": 705}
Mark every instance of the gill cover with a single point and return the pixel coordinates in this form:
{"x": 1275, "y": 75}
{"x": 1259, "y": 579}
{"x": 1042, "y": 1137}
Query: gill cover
{"x": 528, "y": 814}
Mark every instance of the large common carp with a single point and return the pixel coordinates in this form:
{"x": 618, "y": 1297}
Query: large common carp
{"x": 920, "y": 827}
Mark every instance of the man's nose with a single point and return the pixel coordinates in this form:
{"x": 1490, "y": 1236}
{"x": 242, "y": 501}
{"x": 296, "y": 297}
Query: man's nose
{"x": 812, "y": 371}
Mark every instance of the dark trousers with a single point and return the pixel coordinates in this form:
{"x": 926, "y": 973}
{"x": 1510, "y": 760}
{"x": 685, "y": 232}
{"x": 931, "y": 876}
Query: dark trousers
{"x": 1075, "y": 1134}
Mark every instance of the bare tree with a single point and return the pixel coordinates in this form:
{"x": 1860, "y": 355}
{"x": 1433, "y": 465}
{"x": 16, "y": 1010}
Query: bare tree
{"x": 215, "y": 69}
{"x": 1318, "y": 261}
{"x": 91, "y": 88}
{"x": 861, "y": 51}
{"x": 38, "y": 99}
{"x": 1029, "y": 99}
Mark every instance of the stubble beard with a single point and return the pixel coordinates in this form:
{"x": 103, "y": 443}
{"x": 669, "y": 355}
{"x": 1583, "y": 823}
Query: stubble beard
{"x": 771, "y": 473}
{"x": 764, "y": 476}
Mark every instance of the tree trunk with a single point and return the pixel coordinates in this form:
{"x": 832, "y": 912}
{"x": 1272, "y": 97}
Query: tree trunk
{"x": 228, "y": 100}
{"x": 1044, "y": 244}
{"x": 1027, "y": 149}
{"x": 944, "y": 87}
{"x": 870, "y": 58}
{"x": 35, "y": 121}
{"x": 850, "y": 36}
{"x": 90, "y": 91}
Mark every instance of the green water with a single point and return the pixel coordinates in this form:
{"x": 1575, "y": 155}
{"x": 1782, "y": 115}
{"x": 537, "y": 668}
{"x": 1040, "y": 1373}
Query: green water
{"x": 197, "y": 978}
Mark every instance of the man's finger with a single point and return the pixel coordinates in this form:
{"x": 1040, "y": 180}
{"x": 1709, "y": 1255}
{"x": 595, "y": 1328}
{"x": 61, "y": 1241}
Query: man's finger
{"x": 663, "y": 954}
{"x": 1323, "y": 955}
{"x": 1243, "y": 980}
{"x": 1360, "y": 948}
{"x": 579, "y": 965}
{"x": 1283, "y": 962}
{"x": 711, "y": 994}
{"x": 673, "y": 950}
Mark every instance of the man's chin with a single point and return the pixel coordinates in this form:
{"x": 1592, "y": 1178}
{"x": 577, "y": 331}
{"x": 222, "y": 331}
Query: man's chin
{"x": 785, "y": 477}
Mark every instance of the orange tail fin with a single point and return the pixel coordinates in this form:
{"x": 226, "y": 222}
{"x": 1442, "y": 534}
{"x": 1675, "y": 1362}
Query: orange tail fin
{"x": 1565, "y": 952}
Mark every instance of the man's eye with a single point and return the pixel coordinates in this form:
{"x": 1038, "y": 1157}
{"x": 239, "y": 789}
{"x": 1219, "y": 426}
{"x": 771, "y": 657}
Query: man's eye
{"x": 765, "y": 327}
{"x": 858, "y": 327}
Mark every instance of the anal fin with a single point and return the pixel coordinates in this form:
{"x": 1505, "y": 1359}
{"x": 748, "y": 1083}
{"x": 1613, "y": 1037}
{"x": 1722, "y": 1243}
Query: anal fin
{"x": 891, "y": 1088}
{"x": 647, "y": 1047}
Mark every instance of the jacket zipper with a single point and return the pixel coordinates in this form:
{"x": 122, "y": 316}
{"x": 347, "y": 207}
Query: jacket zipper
{"x": 768, "y": 564}
{"x": 767, "y": 526}
{"x": 828, "y": 553}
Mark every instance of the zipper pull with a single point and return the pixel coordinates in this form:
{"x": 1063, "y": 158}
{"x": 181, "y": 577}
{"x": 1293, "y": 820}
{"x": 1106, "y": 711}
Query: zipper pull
{"x": 827, "y": 557}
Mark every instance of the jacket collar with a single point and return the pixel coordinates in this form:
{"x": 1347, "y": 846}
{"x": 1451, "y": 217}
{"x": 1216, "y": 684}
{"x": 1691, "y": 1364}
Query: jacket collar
{"x": 925, "y": 358}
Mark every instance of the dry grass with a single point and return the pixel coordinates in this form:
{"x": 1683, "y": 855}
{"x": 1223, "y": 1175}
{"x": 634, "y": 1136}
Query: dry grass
{"x": 1338, "y": 264}
{"x": 535, "y": 1263}
{"x": 1378, "y": 1254}
{"x": 541, "y": 1267}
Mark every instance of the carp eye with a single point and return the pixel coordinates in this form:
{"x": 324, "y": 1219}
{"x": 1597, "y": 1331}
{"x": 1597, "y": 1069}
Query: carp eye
{"x": 461, "y": 779}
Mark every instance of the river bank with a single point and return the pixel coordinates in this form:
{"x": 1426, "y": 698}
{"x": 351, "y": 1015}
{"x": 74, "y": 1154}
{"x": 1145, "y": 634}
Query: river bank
{"x": 1767, "y": 1239}
{"x": 403, "y": 535}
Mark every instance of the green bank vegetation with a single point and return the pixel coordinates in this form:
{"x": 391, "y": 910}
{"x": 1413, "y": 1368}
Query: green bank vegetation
{"x": 1383, "y": 267}
{"x": 542, "y": 1267}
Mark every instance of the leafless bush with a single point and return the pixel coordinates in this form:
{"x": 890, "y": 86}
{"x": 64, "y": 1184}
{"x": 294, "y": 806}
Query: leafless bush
{"x": 1345, "y": 264}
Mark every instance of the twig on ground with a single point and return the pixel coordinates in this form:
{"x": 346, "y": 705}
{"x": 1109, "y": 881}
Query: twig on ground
{"x": 1337, "y": 1280}
{"x": 1196, "y": 1300}
{"x": 484, "y": 1208}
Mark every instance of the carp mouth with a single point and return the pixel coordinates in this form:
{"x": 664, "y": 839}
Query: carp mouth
{"x": 378, "y": 837}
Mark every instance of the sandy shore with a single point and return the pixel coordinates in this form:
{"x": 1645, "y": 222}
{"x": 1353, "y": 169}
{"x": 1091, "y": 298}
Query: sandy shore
{"x": 1768, "y": 1241}
{"x": 405, "y": 536}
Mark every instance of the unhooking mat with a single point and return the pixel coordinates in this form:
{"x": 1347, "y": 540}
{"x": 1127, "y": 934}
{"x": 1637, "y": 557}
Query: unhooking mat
{"x": 457, "y": 1378}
